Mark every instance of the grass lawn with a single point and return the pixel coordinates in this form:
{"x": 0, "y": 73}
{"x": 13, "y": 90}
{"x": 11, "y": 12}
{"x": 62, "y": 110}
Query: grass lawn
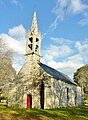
{"x": 68, "y": 113}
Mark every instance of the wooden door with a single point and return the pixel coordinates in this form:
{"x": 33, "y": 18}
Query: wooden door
{"x": 29, "y": 101}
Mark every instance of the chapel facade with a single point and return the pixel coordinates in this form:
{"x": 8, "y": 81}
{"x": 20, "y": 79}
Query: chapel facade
{"x": 38, "y": 85}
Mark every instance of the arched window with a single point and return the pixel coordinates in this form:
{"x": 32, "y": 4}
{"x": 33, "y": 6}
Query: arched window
{"x": 37, "y": 39}
{"x": 31, "y": 40}
{"x": 36, "y": 48}
{"x": 30, "y": 46}
{"x": 31, "y": 43}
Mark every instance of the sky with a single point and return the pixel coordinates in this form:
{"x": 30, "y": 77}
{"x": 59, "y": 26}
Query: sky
{"x": 63, "y": 25}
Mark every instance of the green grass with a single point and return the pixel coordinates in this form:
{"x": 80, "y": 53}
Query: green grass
{"x": 68, "y": 113}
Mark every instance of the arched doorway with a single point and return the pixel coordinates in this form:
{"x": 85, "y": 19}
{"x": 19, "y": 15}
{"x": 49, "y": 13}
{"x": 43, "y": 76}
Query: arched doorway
{"x": 42, "y": 95}
{"x": 29, "y": 101}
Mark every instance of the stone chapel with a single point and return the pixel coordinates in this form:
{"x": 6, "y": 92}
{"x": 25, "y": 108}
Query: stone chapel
{"x": 38, "y": 85}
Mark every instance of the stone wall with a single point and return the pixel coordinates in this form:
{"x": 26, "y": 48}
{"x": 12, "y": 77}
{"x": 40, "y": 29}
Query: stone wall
{"x": 56, "y": 94}
{"x": 80, "y": 96}
{"x": 28, "y": 82}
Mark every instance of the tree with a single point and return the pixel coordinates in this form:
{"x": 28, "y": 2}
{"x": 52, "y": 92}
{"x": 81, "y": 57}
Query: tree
{"x": 81, "y": 77}
{"x": 7, "y": 72}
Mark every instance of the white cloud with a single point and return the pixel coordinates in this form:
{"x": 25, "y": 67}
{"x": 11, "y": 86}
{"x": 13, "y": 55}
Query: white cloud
{"x": 56, "y": 22}
{"x": 83, "y": 50}
{"x": 68, "y": 66}
{"x": 15, "y": 45}
{"x": 77, "y": 6}
{"x": 18, "y": 32}
{"x": 61, "y": 41}
{"x": 19, "y": 50}
{"x": 66, "y": 62}
{"x": 76, "y": 59}
{"x": 54, "y": 52}
{"x": 18, "y": 61}
{"x": 16, "y": 41}
{"x": 84, "y": 21}
{"x": 67, "y": 7}
{"x": 80, "y": 47}
{"x": 16, "y": 2}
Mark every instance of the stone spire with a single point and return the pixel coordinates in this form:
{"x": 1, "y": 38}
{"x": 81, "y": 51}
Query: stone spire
{"x": 33, "y": 44}
{"x": 34, "y": 27}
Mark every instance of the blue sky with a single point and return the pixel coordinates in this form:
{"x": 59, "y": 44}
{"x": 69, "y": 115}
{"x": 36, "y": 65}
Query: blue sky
{"x": 62, "y": 23}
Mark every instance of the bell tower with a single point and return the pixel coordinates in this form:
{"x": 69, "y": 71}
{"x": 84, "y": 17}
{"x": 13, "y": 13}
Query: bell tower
{"x": 33, "y": 42}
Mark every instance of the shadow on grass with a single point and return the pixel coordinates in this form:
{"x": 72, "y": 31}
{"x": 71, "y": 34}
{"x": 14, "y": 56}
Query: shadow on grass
{"x": 65, "y": 113}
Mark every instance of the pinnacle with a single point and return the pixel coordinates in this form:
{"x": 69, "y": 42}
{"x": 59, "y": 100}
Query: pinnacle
{"x": 34, "y": 27}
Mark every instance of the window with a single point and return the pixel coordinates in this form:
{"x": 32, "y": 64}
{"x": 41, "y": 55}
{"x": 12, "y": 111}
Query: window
{"x": 30, "y": 46}
{"x": 37, "y": 39}
{"x": 31, "y": 40}
{"x": 36, "y": 48}
{"x": 75, "y": 97}
{"x": 67, "y": 93}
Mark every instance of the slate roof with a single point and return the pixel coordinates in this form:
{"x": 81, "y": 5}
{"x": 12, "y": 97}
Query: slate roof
{"x": 56, "y": 74}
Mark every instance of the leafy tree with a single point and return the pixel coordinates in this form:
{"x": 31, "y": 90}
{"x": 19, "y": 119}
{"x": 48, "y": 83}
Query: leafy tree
{"x": 7, "y": 72}
{"x": 81, "y": 77}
